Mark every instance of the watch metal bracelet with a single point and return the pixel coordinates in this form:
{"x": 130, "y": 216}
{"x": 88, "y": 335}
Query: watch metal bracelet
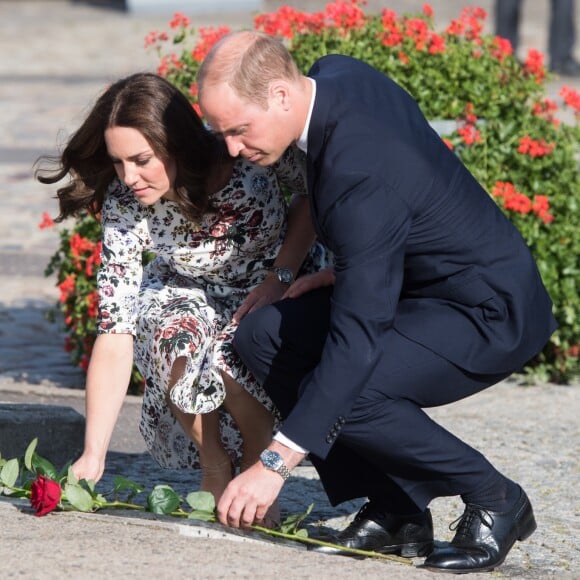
{"x": 283, "y": 471}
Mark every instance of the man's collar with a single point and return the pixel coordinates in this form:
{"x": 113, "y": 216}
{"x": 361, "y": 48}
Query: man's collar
{"x": 302, "y": 143}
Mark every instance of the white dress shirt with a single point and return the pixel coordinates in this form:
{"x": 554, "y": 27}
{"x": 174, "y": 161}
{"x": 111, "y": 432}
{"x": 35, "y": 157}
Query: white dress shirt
{"x": 302, "y": 144}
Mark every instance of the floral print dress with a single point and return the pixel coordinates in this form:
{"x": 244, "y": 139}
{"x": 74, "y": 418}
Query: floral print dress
{"x": 181, "y": 303}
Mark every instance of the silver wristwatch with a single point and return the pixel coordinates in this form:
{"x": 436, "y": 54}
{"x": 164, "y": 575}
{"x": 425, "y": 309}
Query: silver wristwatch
{"x": 285, "y": 275}
{"x": 273, "y": 460}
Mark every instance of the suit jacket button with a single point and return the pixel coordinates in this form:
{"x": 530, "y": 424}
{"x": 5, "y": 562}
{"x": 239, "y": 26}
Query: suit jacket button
{"x": 329, "y": 439}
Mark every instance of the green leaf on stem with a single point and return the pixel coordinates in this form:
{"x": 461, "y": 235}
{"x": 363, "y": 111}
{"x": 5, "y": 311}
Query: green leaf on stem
{"x": 201, "y": 501}
{"x": 70, "y": 476}
{"x": 9, "y": 473}
{"x": 122, "y": 484}
{"x": 29, "y": 453}
{"x": 64, "y": 473}
{"x": 291, "y": 524}
{"x": 86, "y": 484}
{"x": 203, "y": 504}
{"x": 202, "y": 515}
{"x": 78, "y": 497}
{"x": 163, "y": 500}
{"x": 89, "y": 484}
{"x": 43, "y": 466}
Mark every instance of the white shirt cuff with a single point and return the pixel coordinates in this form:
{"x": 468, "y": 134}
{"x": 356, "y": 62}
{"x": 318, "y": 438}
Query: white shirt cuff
{"x": 281, "y": 438}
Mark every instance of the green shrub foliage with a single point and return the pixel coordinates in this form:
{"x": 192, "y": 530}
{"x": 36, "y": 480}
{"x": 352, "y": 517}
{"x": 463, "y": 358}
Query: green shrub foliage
{"x": 522, "y": 146}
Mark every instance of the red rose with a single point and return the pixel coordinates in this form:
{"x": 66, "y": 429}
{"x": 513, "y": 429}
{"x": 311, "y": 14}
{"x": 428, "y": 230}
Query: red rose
{"x": 45, "y": 495}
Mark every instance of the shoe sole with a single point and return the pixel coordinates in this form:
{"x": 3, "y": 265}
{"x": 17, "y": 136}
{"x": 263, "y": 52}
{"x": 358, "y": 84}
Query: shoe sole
{"x": 414, "y": 550}
{"x": 529, "y": 529}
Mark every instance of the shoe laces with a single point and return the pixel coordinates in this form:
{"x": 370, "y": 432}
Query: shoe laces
{"x": 462, "y": 525}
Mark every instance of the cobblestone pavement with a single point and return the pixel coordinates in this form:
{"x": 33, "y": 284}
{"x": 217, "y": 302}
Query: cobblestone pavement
{"x": 55, "y": 56}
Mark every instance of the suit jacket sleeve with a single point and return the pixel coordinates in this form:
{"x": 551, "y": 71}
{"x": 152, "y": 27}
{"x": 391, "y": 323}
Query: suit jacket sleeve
{"x": 366, "y": 225}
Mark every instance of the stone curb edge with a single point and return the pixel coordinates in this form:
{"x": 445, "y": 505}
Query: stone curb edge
{"x": 183, "y": 527}
{"x": 9, "y": 386}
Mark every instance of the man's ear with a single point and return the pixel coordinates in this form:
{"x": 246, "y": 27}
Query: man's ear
{"x": 279, "y": 94}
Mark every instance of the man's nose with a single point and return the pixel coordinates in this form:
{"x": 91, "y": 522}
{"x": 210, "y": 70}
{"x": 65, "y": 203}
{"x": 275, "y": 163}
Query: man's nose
{"x": 234, "y": 146}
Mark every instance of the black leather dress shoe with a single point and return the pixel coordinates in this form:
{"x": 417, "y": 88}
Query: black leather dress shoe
{"x": 374, "y": 530}
{"x": 484, "y": 538}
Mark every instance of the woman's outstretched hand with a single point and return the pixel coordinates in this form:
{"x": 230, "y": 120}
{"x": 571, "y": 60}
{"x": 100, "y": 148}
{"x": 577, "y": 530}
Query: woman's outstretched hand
{"x": 88, "y": 467}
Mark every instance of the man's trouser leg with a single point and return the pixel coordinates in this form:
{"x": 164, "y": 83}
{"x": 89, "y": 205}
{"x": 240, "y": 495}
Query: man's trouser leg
{"x": 389, "y": 447}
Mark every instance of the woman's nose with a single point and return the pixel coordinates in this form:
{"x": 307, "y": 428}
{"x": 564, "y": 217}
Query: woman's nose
{"x": 130, "y": 175}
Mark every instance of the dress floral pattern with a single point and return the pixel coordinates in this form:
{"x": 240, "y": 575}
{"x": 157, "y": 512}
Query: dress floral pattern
{"x": 181, "y": 303}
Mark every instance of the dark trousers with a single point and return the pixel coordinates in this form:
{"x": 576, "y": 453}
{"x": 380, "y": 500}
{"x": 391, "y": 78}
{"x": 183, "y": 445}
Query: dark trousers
{"x": 561, "y": 35}
{"x": 389, "y": 449}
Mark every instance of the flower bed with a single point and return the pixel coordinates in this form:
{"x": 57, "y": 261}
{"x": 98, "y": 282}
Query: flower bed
{"x": 521, "y": 153}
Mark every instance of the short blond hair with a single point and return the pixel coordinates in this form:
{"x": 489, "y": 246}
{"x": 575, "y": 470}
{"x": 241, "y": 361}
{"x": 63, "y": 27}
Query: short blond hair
{"x": 248, "y": 61}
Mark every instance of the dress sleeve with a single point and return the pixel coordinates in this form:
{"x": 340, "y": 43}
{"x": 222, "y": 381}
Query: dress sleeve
{"x": 290, "y": 170}
{"x": 125, "y": 237}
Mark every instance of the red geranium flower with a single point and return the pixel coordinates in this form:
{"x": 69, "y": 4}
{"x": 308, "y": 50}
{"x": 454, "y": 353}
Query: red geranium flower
{"x": 45, "y": 495}
{"x": 47, "y": 221}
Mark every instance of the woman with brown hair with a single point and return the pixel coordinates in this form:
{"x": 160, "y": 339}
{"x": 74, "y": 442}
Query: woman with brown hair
{"x": 225, "y": 242}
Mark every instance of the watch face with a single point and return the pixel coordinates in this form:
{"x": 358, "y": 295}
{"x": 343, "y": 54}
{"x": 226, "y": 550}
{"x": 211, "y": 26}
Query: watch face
{"x": 271, "y": 459}
{"x": 284, "y": 275}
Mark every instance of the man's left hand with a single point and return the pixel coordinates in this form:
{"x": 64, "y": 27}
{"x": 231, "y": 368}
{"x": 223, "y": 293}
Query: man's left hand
{"x": 269, "y": 291}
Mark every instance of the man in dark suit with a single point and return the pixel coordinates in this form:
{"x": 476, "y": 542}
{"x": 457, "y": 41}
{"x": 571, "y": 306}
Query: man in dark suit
{"x": 434, "y": 296}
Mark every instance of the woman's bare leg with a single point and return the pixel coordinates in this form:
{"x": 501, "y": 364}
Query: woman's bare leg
{"x": 204, "y": 431}
{"x": 255, "y": 422}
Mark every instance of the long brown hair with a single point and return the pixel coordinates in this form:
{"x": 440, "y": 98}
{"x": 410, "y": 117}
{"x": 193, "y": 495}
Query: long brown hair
{"x": 157, "y": 109}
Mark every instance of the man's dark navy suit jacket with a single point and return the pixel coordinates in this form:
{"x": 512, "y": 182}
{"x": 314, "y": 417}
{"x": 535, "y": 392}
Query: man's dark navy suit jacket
{"x": 420, "y": 248}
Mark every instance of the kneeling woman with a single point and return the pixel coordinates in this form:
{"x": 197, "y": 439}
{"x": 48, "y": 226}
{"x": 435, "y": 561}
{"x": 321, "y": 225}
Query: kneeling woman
{"x": 220, "y": 229}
